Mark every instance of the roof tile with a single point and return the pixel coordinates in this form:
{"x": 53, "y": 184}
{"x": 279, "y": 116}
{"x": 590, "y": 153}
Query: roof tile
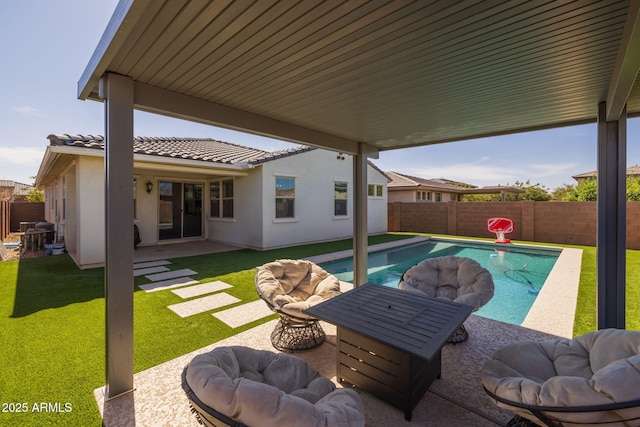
{"x": 203, "y": 149}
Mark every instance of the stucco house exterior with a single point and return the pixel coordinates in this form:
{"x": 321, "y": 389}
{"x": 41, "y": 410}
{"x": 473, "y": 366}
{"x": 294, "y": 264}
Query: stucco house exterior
{"x": 407, "y": 188}
{"x": 203, "y": 189}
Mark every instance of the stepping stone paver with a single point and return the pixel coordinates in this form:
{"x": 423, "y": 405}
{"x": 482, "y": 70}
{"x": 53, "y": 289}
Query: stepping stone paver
{"x": 243, "y": 314}
{"x": 201, "y": 289}
{"x": 200, "y": 305}
{"x": 168, "y": 284}
{"x": 149, "y": 270}
{"x": 151, "y": 263}
{"x": 170, "y": 274}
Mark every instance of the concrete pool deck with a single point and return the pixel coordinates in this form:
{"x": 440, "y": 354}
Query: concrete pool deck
{"x": 456, "y": 399}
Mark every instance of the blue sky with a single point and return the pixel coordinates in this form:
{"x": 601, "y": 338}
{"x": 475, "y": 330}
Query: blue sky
{"x": 46, "y": 45}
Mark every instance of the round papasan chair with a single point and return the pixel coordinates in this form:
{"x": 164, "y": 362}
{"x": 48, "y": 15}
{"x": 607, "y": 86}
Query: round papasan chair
{"x": 457, "y": 279}
{"x": 593, "y": 379}
{"x": 240, "y": 386}
{"x": 289, "y": 287}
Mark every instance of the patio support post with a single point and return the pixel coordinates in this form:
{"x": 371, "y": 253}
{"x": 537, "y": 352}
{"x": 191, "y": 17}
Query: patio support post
{"x": 360, "y": 228}
{"x": 118, "y": 92}
{"x": 612, "y": 220}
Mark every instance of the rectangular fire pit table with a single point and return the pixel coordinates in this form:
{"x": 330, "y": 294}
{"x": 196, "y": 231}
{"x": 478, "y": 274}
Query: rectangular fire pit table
{"x": 389, "y": 340}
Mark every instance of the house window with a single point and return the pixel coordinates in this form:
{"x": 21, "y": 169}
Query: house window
{"x": 438, "y": 197}
{"x": 221, "y": 198}
{"x": 340, "y": 198}
{"x": 374, "y": 190}
{"x": 424, "y": 195}
{"x": 285, "y": 197}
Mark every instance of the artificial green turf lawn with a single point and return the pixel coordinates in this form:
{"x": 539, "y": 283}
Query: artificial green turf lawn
{"x": 52, "y": 324}
{"x": 52, "y": 328}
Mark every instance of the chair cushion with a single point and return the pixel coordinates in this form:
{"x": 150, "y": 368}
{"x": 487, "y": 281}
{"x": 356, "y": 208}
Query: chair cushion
{"x": 597, "y": 368}
{"x": 262, "y": 388}
{"x": 292, "y": 286}
{"x": 457, "y": 279}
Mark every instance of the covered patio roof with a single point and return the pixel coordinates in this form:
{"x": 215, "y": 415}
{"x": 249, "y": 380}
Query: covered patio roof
{"x": 360, "y": 77}
{"x": 390, "y": 74}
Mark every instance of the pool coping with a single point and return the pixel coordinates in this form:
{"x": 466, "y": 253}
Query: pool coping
{"x": 554, "y": 309}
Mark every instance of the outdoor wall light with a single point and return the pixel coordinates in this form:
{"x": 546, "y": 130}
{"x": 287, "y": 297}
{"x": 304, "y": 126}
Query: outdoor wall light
{"x": 149, "y": 185}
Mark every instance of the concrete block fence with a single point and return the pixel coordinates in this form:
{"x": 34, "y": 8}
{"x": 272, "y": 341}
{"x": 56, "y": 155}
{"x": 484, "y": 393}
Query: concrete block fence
{"x": 572, "y": 223}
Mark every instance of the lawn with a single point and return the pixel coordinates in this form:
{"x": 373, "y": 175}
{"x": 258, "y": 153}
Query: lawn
{"x": 52, "y": 325}
{"x": 52, "y": 328}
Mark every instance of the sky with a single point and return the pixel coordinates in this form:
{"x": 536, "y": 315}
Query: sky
{"x": 45, "y": 46}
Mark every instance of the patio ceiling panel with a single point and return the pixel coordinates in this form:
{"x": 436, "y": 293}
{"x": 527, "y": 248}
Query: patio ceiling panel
{"x": 389, "y": 74}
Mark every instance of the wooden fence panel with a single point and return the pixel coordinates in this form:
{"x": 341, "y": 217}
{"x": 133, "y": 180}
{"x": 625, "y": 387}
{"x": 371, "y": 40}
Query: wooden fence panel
{"x": 5, "y": 220}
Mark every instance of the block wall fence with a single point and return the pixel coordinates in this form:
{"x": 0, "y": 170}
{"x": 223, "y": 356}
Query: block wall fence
{"x": 572, "y": 223}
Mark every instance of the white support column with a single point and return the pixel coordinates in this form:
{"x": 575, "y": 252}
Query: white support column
{"x": 118, "y": 94}
{"x": 611, "y": 228}
{"x": 360, "y": 221}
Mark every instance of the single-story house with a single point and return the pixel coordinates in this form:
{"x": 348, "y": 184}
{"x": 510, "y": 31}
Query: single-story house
{"x": 13, "y": 191}
{"x": 407, "y": 188}
{"x": 632, "y": 171}
{"x": 196, "y": 189}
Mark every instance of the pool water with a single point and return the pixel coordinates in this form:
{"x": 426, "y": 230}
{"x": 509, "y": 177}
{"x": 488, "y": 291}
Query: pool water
{"x": 518, "y": 273}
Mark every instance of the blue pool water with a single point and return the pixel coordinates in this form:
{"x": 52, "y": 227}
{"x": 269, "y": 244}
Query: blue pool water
{"x": 518, "y": 274}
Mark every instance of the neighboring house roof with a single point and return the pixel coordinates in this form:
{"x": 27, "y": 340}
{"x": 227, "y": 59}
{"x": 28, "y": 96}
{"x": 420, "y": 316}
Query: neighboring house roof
{"x": 18, "y": 188}
{"x": 401, "y": 181}
{"x": 407, "y": 182}
{"x": 202, "y": 149}
{"x": 631, "y": 171}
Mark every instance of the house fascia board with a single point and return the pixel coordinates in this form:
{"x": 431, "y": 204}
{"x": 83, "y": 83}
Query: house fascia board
{"x": 48, "y": 160}
{"x": 176, "y": 166}
{"x": 145, "y": 161}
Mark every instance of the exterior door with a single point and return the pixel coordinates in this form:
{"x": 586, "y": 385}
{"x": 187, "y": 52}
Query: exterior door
{"x": 180, "y": 210}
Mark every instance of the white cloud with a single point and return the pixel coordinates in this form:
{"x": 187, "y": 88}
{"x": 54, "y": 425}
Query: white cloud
{"x": 23, "y": 156}
{"x": 25, "y": 109}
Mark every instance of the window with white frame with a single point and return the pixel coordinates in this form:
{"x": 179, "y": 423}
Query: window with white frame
{"x": 221, "y": 194}
{"x": 438, "y": 197}
{"x": 374, "y": 190}
{"x": 340, "y": 200}
{"x": 423, "y": 195}
{"x": 285, "y": 197}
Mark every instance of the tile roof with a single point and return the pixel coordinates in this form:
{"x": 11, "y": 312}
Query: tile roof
{"x": 631, "y": 171}
{"x": 403, "y": 180}
{"x": 203, "y": 149}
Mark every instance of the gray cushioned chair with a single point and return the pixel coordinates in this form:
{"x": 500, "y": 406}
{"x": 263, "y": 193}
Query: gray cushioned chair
{"x": 593, "y": 379}
{"x": 239, "y": 386}
{"x": 457, "y": 279}
{"x": 289, "y": 287}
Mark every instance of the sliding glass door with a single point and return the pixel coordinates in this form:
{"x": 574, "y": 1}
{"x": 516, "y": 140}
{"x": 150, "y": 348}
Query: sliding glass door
{"x": 180, "y": 210}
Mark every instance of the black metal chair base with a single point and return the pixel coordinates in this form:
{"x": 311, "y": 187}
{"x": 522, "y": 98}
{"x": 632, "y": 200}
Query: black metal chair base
{"x": 518, "y": 421}
{"x": 459, "y": 335}
{"x": 297, "y": 335}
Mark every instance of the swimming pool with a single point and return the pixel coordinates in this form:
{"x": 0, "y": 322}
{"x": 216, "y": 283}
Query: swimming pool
{"x": 518, "y": 272}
